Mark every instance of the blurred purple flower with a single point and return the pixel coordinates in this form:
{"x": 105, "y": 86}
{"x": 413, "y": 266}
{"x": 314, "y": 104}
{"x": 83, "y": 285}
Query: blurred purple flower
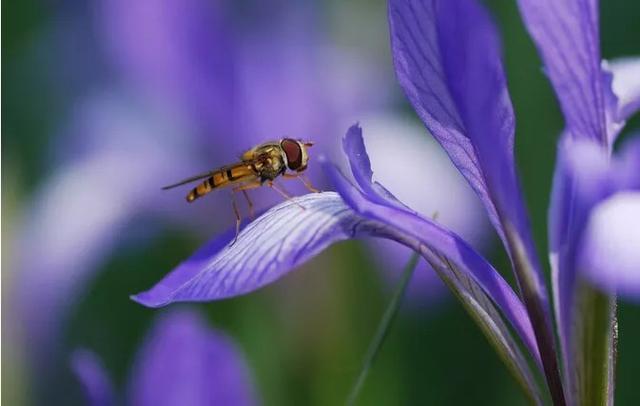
{"x": 191, "y": 93}
{"x": 447, "y": 59}
{"x": 82, "y": 211}
{"x": 239, "y": 80}
{"x": 182, "y": 362}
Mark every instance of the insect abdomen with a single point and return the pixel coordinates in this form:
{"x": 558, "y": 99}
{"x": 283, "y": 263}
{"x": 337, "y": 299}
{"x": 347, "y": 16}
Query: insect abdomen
{"x": 221, "y": 178}
{"x": 202, "y": 189}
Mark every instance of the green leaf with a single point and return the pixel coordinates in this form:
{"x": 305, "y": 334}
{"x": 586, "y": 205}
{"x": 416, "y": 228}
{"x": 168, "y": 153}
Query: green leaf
{"x": 594, "y": 346}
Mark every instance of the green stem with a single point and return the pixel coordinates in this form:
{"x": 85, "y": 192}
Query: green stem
{"x": 595, "y": 346}
{"x": 383, "y": 327}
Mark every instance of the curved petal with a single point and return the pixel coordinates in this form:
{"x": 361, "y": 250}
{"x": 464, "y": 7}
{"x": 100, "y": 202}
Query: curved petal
{"x": 453, "y": 202}
{"x": 284, "y": 237}
{"x": 568, "y": 38}
{"x": 90, "y": 372}
{"x": 183, "y": 361}
{"x": 420, "y": 69}
{"x": 353, "y": 147}
{"x": 447, "y": 59}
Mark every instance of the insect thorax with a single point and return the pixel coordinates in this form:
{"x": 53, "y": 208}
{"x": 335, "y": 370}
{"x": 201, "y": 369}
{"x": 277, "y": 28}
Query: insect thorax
{"x": 271, "y": 166}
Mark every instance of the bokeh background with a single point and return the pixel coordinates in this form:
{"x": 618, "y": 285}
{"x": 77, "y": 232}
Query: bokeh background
{"x": 106, "y": 101}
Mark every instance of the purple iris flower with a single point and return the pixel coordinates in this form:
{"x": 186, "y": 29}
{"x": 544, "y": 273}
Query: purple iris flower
{"x": 182, "y": 361}
{"x": 448, "y": 61}
{"x": 190, "y": 91}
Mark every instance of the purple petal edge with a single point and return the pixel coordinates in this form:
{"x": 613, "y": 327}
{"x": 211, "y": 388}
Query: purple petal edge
{"x": 353, "y": 147}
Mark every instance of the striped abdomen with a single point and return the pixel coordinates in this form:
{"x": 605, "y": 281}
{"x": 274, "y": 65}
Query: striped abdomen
{"x": 222, "y": 177}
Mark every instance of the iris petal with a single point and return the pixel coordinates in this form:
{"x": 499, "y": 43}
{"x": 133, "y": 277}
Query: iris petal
{"x": 353, "y": 147}
{"x": 281, "y": 239}
{"x": 568, "y": 38}
{"x": 447, "y": 59}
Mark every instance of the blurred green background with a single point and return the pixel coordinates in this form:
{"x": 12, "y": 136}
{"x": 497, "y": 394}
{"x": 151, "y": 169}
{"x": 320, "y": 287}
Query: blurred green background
{"x": 304, "y": 336}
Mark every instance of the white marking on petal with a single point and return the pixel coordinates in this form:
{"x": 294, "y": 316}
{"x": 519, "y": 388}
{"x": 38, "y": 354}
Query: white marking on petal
{"x": 611, "y": 246}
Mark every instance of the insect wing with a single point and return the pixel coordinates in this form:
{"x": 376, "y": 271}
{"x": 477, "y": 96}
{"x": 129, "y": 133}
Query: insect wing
{"x": 189, "y": 180}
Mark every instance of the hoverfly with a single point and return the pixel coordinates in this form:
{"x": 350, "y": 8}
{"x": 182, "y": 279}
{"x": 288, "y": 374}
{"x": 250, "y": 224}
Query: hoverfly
{"x": 259, "y": 165}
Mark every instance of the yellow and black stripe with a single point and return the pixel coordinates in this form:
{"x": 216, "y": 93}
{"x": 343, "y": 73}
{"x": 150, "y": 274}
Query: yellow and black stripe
{"x": 222, "y": 177}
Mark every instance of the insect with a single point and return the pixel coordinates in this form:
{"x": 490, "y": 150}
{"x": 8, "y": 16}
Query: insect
{"x": 260, "y": 165}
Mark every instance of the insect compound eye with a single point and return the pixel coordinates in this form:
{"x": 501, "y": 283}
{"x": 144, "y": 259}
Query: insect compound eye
{"x": 294, "y": 153}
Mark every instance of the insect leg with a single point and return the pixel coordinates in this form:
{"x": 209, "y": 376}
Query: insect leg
{"x": 308, "y": 184}
{"x": 283, "y": 193}
{"x": 305, "y": 181}
{"x": 237, "y": 213}
{"x": 252, "y": 214}
{"x": 244, "y": 188}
